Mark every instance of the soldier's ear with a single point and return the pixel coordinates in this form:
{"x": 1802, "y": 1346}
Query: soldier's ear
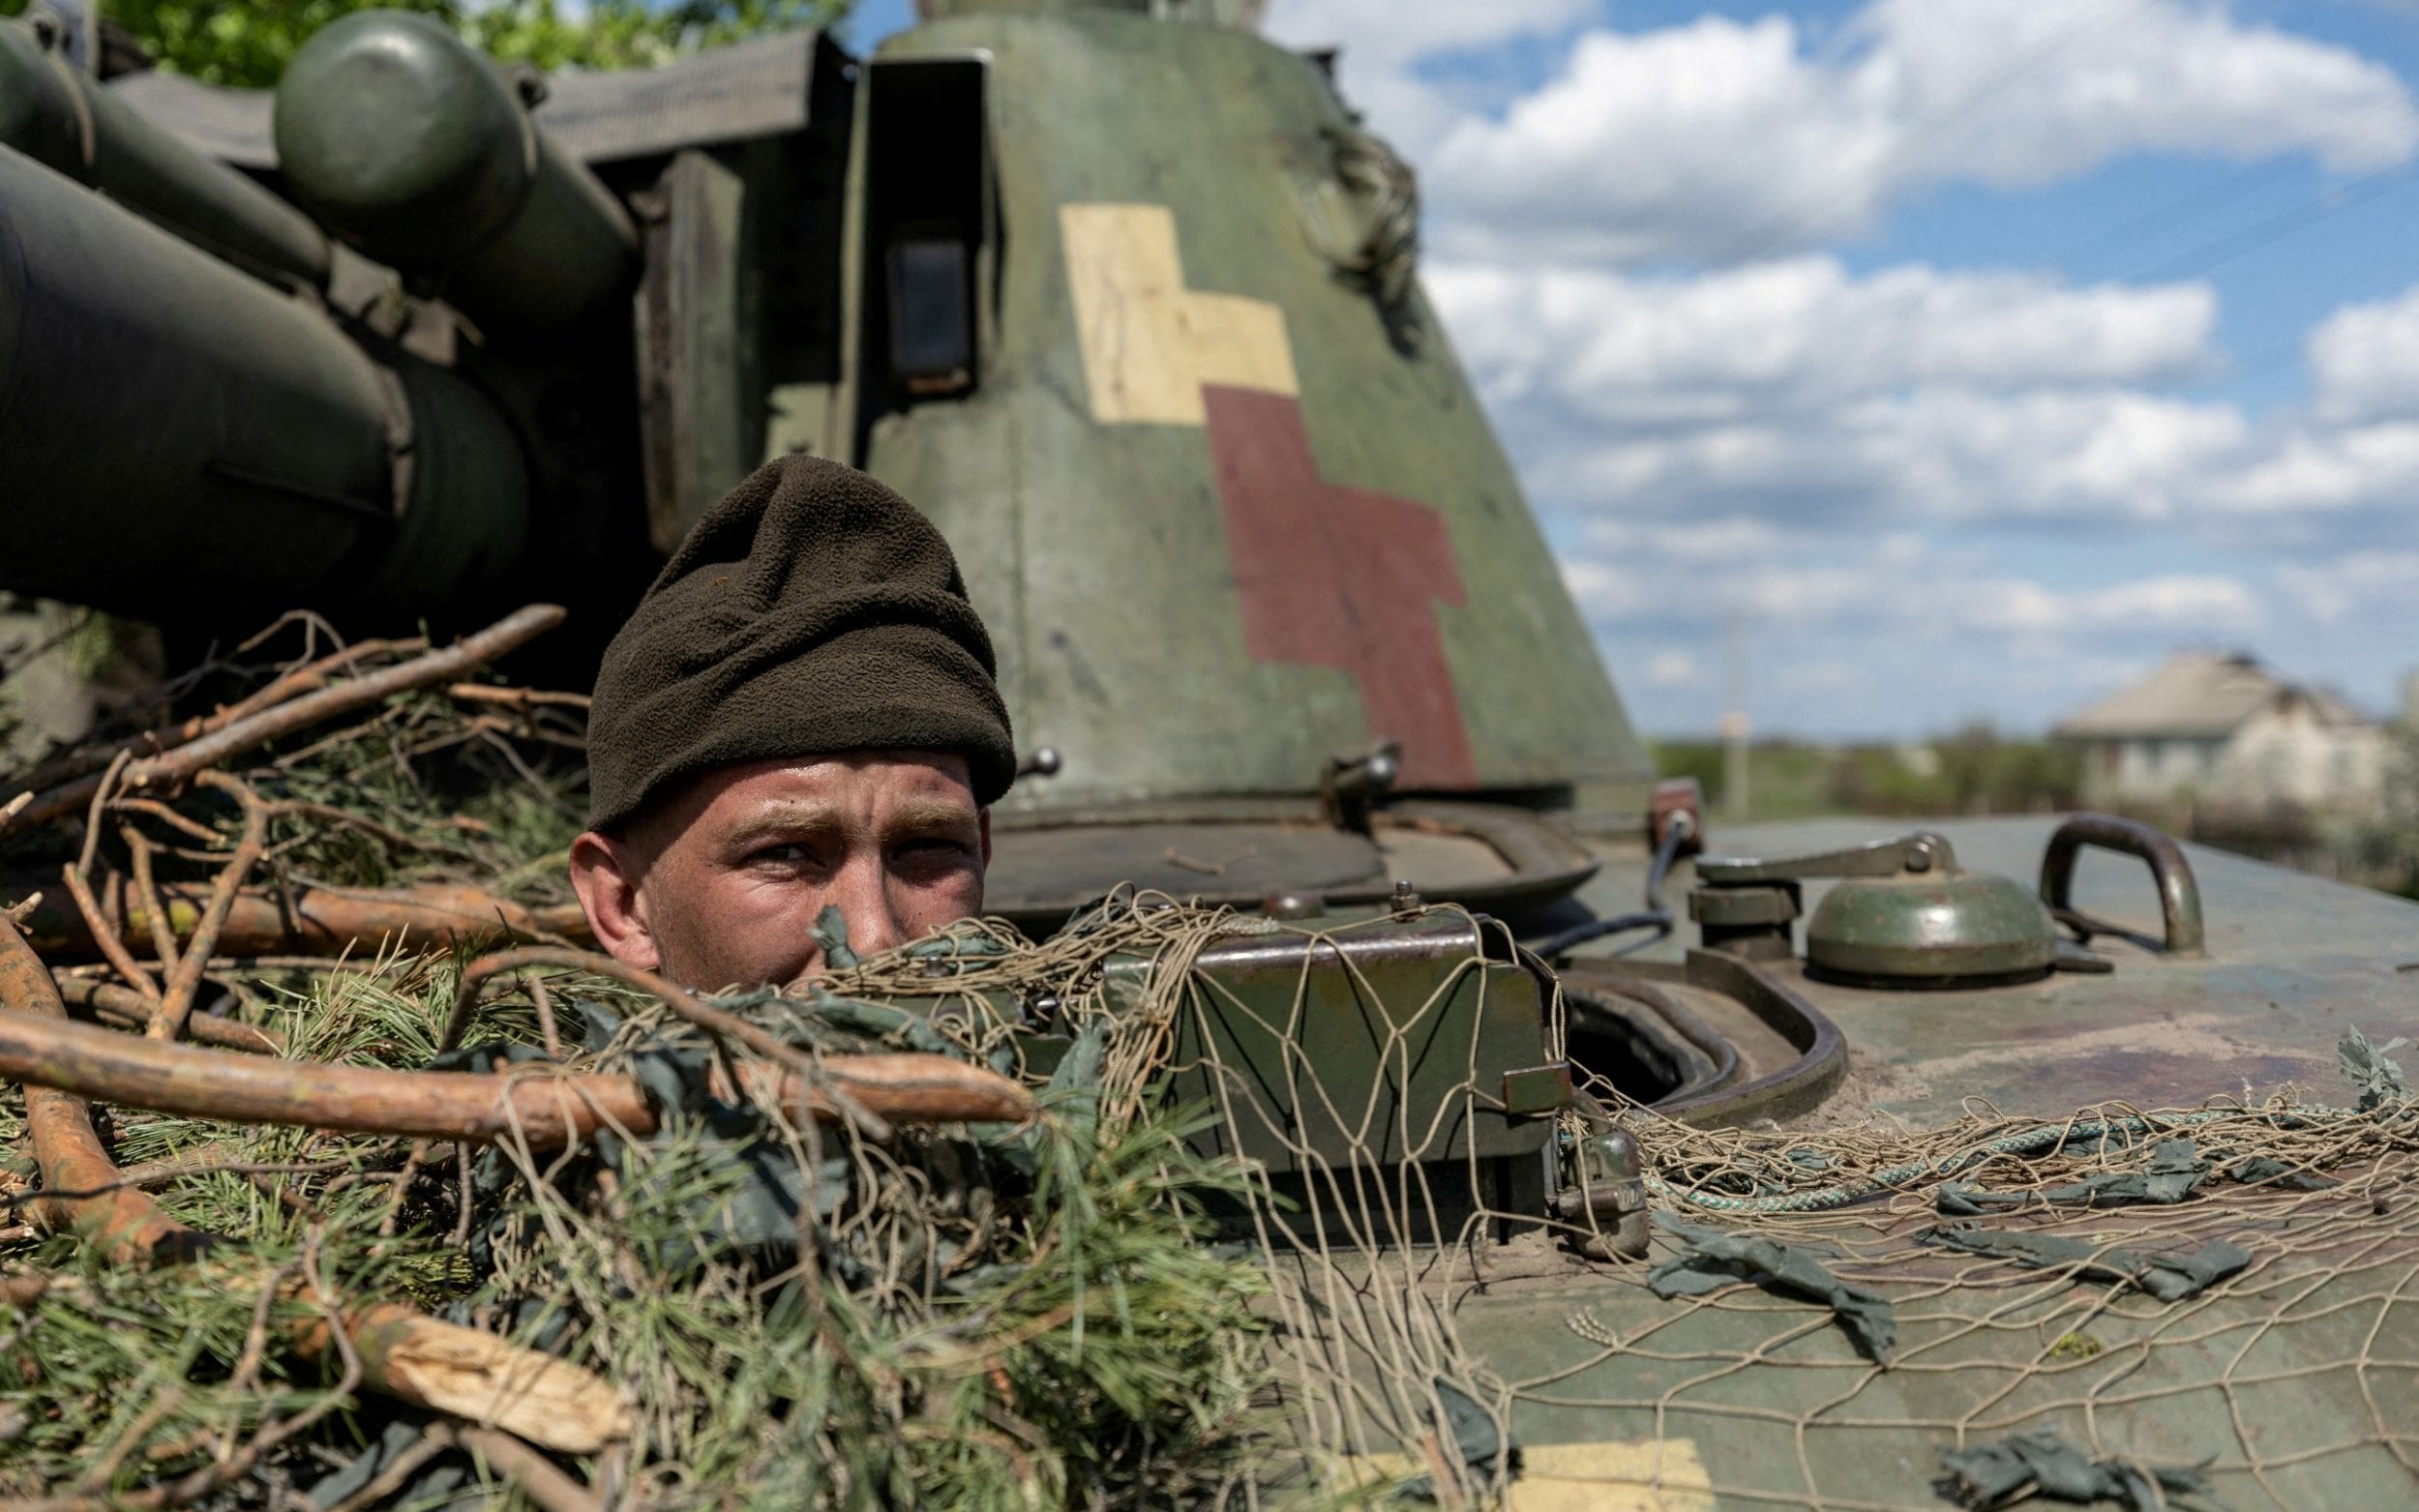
{"x": 605, "y": 876}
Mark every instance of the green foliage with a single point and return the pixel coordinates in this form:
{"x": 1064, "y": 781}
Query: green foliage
{"x": 949, "y": 1335}
{"x": 621, "y": 34}
{"x": 1973, "y": 771}
{"x": 247, "y": 42}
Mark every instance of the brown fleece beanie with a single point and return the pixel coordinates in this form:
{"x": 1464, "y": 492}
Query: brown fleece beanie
{"x": 811, "y": 611}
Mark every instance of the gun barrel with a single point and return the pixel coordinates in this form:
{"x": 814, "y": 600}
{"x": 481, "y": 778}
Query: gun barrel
{"x": 60, "y": 117}
{"x": 176, "y": 438}
{"x": 412, "y": 146}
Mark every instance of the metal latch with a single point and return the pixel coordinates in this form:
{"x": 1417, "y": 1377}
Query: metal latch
{"x": 1352, "y": 781}
{"x": 1606, "y": 1194}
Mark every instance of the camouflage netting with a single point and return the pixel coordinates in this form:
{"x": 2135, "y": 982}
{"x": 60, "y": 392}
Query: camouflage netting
{"x": 1095, "y": 1307}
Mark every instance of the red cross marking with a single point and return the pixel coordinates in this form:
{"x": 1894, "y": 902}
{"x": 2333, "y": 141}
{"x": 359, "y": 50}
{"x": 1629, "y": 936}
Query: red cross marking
{"x": 1340, "y": 578}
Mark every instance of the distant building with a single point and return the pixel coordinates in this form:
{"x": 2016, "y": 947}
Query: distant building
{"x": 2226, "y": 732}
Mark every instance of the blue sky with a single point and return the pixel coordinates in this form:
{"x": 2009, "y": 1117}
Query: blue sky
{"x": 1971, "y": 354}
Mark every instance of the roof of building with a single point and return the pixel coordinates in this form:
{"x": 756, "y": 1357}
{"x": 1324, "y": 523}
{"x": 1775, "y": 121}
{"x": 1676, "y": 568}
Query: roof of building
{"x": 753, "y": 88}
{"x": 2201, "y": 693}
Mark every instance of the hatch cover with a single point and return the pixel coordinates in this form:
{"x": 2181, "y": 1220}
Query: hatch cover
{"x": 1047, "y": 863}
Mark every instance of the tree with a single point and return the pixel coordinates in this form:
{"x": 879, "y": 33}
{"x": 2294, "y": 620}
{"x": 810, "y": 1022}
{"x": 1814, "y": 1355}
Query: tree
{"x": 247, "y": 42}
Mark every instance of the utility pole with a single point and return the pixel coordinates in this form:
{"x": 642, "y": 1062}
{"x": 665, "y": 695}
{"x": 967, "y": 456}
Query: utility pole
{"x": 1734, "y": 725}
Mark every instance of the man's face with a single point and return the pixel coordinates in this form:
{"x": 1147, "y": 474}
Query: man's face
{"x": 721, "y": 885}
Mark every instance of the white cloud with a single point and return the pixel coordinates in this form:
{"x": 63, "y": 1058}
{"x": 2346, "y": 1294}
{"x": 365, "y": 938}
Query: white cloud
{"x": 2354, "y": 583}
{"x": 1899, "y": 579}
{"x": 1839, "y": 495}
{"x": 1742, "y": 342}
{"x": 1899, "y": 634}
{"x": 1695, "y": 543}
{"x": 2172, "y": 603}
{"x": 1937, "y": 454}
{"x": 1673, "y": 668}
{"x": 1393, "y": 33}
{"x": 1920, "y": 396}
{"x": 1721, "y": 139}
{"x": 2363, "y": 361}
{"x": 1928, "y": 493}
{"x": 1383, "y": 40}
{"x": 2312, "y": 471}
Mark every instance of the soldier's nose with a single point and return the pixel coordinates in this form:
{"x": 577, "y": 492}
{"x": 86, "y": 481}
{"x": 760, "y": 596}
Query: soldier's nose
{"x": 862, "y": 893}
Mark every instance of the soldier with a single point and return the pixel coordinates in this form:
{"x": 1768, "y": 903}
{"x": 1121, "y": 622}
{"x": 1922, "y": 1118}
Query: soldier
{"x": 800, "y": 712}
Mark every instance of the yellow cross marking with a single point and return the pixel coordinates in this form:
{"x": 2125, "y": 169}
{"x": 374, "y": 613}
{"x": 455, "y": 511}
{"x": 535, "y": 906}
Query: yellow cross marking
{"x": 1149, "y": 342}
{"x": 1617, "y": 1475}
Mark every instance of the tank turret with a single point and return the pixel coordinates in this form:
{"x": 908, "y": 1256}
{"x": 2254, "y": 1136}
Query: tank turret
{"x": 416, "y": 332}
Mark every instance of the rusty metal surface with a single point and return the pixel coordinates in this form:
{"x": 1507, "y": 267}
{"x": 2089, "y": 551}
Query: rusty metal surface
{"x": 2292, "y": 962}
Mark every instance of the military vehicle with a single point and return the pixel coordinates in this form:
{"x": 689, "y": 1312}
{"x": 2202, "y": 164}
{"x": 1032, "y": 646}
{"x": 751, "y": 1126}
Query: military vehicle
{"x": 1126, "y": 298}
{"x": 469, "y": 336}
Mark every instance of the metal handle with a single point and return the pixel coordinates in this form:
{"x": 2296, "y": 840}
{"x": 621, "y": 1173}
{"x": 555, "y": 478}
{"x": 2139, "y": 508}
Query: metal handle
{"x": 1911, "y": 855}
{"x": 2179, "y": 894}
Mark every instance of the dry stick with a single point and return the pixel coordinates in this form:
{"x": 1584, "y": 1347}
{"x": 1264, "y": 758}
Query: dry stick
{"x": 286, "y": 685}
{"x": 60, "y": 1126}
{"x": 401, "y": 1188}
{"x": 78, "y": 877}
{"x": 517, "y": 697}
{"x": 106, "y": 937}
{"x": 714, "y": 1021}
{"x": 543, "y": 1001}
{"x": 154, "y": 809}
{"x": 329, "y": 814}
{"x": 400, "y": 1352}
{"x": 176, "y": 1002}
{"x": 259, "y": 728}
{"x": 679, "y": 999}
{"x": 310, "y": 677}
{"x": 433, "y": 1440}
{"x": 246, "y": 1376}
{"x": 105, "y": 1468}
{"x": 147, "y": 893}
{"x": 549, "y": 1107}
{"x": 327, "y": 921}
{"x": 536, "y": 1477}
{"x": 124, "y": 1008}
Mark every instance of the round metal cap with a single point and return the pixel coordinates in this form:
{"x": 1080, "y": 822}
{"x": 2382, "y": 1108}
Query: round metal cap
{"x": 1967, "y": 928}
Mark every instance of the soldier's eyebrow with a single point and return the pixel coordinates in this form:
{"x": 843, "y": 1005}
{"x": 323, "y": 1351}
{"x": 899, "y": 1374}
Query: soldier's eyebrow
{"x": 788, "y": 821}
{"x": 932, "y": 817}
{"x": 799, "y": 819}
